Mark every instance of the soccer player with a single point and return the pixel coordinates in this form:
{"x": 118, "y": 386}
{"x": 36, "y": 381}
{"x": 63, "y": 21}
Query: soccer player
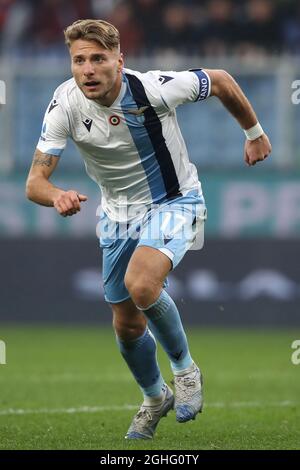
{"x": 153, "y": 210}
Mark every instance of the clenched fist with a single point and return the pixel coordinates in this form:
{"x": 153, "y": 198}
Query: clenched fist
{"x": 257, "y": 150}
{"x": 68, "y": 202}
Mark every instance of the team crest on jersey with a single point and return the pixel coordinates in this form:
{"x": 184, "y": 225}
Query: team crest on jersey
{"x": 88, "y": 123}
{"x": 164, "y": 79}
{"x": 52, "y": 105}
{"x": 137, "y": 111}
{"x": 114, "y": 120}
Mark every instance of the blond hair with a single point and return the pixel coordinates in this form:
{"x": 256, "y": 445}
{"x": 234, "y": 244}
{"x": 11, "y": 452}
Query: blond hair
{"x": 93, "y": 30}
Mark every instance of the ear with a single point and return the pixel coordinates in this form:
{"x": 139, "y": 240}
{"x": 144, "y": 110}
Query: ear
{"x": 121, "y": 62}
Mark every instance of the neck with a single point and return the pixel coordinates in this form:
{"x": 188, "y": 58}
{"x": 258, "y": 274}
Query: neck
{"x": 112, "y": 94}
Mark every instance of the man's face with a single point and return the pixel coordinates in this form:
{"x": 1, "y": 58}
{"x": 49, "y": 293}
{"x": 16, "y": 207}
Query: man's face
{"x": 97, "y": 71}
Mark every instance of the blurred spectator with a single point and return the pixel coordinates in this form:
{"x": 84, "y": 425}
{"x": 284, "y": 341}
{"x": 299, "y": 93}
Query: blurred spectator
{"x": 149, "y": 16}
{"x": 291, "y": 31}
{"x": 209, "y": 27}
{"x": 33, "y": 28}
{"x": 17, "y": 16}
{"x": 102, "y": 9}
{"x": 261, "y": 31}
{"x": 176, "y": 31}
{"x": 51, "y": 17}
{"x": 4, "y": 10}
{"x": 219, "y": 32}
{"x": 130, "y": 30}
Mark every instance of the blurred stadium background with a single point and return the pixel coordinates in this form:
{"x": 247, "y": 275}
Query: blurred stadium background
{"x": 248, "y": 272}
{"x": 247, "y": 276}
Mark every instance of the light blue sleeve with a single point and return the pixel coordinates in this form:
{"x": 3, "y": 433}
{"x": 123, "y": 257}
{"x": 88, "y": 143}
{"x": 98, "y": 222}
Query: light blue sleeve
{"x": 55, "y": 130}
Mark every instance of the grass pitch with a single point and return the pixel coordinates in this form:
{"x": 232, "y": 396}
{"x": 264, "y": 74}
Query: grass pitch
{"x": 68, "y": 388}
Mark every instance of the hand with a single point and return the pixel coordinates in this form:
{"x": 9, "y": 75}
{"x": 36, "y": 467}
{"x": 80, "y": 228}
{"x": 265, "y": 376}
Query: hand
{"x": 257, "y": 150}
{"x": 68, "y": 202}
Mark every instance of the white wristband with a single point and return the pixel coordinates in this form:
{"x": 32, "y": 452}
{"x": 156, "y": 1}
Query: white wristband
{"x": 254, "y": 132}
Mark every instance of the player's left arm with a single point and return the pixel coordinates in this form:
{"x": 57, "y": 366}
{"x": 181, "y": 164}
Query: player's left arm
{"x": 224, "y": 87}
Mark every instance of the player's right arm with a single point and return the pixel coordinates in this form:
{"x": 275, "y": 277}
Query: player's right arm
{"x": 53, "y": 139}
{"x": 40, "y": 190}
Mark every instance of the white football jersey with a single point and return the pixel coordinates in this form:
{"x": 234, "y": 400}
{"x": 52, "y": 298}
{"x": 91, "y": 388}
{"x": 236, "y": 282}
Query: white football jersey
{"x": 133, "y": 149}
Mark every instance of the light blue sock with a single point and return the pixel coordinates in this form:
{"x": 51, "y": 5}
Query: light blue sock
{"x": 140, "y": 355}
{"x": 165, "y": 323}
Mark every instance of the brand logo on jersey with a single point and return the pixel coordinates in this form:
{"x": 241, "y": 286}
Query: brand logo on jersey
{"x": 52, "y": 105}
{"x": 167, "y": 240}
{"x": 88, "y": 123}
{"x": 165, "y": 79}
{"x": 138, "y": 111}
{"x": 114, "y": 120}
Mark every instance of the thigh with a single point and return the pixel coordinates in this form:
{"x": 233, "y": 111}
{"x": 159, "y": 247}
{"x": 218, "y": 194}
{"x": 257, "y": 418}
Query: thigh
{"x": 116, "y": 253}
{"x": 149, "y": 265}
{"x": 174, "y": 228}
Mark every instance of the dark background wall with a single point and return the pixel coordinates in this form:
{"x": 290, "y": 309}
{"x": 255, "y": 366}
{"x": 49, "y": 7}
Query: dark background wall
{"x": 229, "y": 282}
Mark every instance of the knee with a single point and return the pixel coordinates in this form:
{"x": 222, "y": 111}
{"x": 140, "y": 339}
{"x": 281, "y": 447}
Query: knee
{"x": 128, "y": 330}
{"x": 142, "y": 291}
{"x": 128, "y": 327}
